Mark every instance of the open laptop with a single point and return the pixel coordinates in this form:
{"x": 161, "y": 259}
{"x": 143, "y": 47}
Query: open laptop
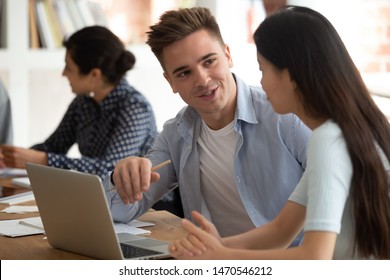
{"x": 76, "y": 217}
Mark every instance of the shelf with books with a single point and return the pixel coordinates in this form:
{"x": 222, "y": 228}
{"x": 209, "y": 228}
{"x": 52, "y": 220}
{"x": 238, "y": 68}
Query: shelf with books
{"x": 18, "y": 62}
{"x": 52, "y": 20}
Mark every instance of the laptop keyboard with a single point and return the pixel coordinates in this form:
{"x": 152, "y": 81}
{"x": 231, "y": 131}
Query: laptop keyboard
{"x": 131, "y": 251}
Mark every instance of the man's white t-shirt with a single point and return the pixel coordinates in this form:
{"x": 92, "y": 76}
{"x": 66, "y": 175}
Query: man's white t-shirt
{"x": 219, "y": 191}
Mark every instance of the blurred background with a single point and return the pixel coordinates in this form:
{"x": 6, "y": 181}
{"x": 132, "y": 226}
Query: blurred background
{"x": 31, "y": 62}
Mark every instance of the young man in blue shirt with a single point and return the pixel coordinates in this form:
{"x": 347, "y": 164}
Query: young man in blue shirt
{"x": 234, "y": 159}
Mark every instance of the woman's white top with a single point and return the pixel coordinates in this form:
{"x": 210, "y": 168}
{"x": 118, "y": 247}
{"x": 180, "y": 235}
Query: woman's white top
{"x": 324, "y": 188}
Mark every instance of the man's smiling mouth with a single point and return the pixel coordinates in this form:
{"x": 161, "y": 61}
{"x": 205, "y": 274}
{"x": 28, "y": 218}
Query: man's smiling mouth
{"x": 208, "y": 92}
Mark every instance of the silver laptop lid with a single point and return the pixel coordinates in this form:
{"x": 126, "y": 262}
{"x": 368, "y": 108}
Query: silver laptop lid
{"x": 75, "y": 213}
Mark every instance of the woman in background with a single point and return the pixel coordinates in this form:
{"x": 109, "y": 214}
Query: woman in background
{"x": 108, "y": 119}
{"x": 342, "y": 201}
{"x": 6, "y": 133}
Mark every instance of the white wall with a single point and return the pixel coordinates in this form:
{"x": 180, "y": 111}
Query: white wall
{"x": 147, "y": 77}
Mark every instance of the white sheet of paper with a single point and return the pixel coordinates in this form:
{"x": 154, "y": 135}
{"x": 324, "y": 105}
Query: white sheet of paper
{"x": 20, "y": 209}
{"x": 22, "y": 182}
{"x": 119, "y": 228}
{"x": 12, "y": 172}
{"x": 17, "y": 198}
{"x": 13, "y": 228}
{"x": 35, "y": 222}
{"x": 138, "y": 224}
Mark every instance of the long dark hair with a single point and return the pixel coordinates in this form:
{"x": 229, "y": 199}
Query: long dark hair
{"x": 97, "y": 47}
{"x": 306, "y": 44}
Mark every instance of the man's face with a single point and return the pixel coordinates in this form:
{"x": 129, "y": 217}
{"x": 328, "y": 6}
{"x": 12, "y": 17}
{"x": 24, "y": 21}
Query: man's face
{"x": 198, "y": 68}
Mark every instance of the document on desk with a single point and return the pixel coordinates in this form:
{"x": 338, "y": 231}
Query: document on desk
{"x": 21, "y": 182}
{"x": 12, "y": 172}
{"x": 16, "y": 209}
{"x": 138, "y": 224}
{"x": 34, "y": 225}
{"x": 119, "y": 227}
{"x": 21, "y": 227}
{"x": 17, "y": 198}
{"x": 125, "y": 228}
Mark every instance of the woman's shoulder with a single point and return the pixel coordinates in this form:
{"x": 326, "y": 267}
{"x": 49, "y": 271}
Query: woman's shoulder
{"x": 329, "y": 129}
{"x": 328, "y": 137}
{"x": 127, "y": 95}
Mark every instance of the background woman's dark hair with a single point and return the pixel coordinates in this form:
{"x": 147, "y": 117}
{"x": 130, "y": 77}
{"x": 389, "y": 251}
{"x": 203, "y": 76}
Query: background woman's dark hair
{"x": 97, "y": 47}
{"x": 306, "y": 44}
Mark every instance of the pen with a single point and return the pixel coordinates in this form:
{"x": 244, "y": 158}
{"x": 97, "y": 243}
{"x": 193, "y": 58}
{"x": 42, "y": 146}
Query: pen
{"x": 30, "y": 225}
{"x": 154, "y": 168}
{"x": 160, "y": 165}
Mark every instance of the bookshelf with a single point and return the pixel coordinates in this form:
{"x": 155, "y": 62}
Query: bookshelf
{"x": 40, "y": 94}
{"x": 18, "y": 61}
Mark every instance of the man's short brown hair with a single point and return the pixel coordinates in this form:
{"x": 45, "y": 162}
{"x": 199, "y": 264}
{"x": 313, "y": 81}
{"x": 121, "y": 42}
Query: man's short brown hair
{"x": 177, "y": 24}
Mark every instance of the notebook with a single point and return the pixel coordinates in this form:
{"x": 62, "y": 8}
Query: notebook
{"x": 76, "y": 217}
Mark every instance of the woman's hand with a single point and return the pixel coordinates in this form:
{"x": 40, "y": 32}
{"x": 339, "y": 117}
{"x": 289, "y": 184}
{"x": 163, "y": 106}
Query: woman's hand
{"x": 202, "y": 242}
{"x": 16, "y": 157}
